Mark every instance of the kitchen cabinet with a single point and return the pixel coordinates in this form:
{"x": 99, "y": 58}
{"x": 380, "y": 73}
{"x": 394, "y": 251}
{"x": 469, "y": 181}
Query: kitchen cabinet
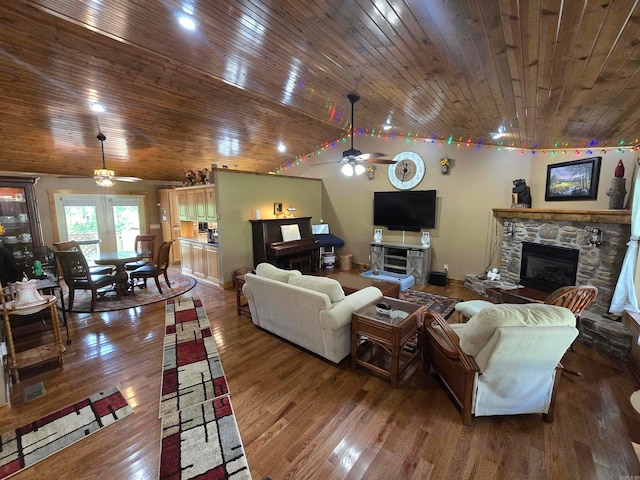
{"x": 197, "y": 204}
{"x": 200, "y": 205}
{"x": 212, "y": 263}
{"x": 185, "y": 255}
{"x": 182, "y": 204}
{"x": 191, "y": 205}
{"x": 19, "y": 217}
{"x": 198, "y": 263}
{"x": 210, "y": 204}
{"x": 200, "y": 260}
{"x": 170, "y": 221}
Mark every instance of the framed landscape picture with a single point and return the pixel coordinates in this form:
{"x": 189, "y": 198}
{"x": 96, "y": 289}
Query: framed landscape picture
{"x": 575, "y": 180}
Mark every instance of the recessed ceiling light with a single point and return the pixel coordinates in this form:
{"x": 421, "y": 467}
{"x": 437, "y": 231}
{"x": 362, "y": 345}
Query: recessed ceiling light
{"x": 97, "y": 107}
{"x": 187, "y": 21}
{"x": 282, "y": 147}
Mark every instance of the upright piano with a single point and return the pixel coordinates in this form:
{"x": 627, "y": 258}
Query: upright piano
{"x": 269, "y": 246}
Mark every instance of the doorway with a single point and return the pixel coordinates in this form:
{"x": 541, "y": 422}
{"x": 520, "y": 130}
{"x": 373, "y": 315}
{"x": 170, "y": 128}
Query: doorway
{"x": 99, "y": 222}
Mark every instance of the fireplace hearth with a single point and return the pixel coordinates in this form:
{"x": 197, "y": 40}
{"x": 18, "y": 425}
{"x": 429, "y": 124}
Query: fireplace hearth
{"x": 596, "y": 265}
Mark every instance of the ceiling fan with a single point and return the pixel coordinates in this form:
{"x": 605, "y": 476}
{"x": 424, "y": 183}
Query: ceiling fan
{"x": 105, "y": 177}
{"x": 352, "y": 159}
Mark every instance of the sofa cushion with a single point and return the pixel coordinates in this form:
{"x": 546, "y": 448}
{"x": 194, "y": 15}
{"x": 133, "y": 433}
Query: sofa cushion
{"x": 477, "y": 332}
{"x": 274, "y": 273}
{"x": 325, "y": 285}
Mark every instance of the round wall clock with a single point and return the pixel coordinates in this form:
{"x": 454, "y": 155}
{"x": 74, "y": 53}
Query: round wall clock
{"x": 407, "y": 172}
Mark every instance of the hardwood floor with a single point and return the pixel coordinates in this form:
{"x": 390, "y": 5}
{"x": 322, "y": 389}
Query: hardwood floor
{"x": 303, "y": 418}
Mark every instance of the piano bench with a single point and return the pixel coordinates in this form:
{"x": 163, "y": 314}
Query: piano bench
{"x": 299, "y": 262}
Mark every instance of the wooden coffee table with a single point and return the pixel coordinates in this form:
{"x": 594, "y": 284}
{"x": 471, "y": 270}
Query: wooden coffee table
{"x": 370, "y": 328}
{"x": 352, "y": 283}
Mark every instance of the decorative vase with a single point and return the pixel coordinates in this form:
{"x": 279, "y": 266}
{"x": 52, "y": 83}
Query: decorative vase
{"x": 444, "y": 169}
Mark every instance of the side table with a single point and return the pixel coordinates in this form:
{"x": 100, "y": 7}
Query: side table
{"x": 242, "y": 305}
{"x": 45, "y": 352}
{"x": 390, "y": 332}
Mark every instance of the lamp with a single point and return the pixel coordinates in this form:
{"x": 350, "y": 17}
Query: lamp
{"x": 359, "y": 168}
{"x": 347, "y": 169}
{"x": 103, "y": 176}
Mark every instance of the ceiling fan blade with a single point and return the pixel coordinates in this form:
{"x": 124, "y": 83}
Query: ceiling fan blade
{"x": 333, "y": 162}
{"x": 128, "y": 179}
{"x": 381, "y": 161}
{"x": 369, "y": 156}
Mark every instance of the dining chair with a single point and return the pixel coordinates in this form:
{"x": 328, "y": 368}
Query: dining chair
{"x": 144, "y": 244}
{"x": 77, "y": 276}
{"x": 154, "y": 270}
{"x": 94, "y": 269}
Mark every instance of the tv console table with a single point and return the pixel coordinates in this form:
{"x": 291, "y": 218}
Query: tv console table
{"x": 414, "y": 260}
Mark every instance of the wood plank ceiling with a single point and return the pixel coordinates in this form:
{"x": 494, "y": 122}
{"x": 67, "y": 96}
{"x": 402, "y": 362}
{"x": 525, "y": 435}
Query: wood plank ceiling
{"x": 255, "y": 73}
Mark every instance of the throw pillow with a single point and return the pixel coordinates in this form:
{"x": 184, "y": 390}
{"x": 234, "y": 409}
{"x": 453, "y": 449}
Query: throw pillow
{"x": 274, "y": 273}
{"x": 477, "y": 331}
{"x": 328, "y": 286}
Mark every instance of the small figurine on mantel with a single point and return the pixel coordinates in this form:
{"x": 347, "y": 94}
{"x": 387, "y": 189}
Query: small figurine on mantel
{"x": 617, "y": 191}
{"x": 521, "y": 194}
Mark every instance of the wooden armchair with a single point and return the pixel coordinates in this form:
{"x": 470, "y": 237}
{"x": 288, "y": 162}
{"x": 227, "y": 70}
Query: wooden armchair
{"x": 77, "y": 275}
{"x": 504, "y": 361}
{"x": 144, "y": 244}
{"x": 154, "y": 270}
{"x": 575, "y": 298}
{"x": 73, "y": 245}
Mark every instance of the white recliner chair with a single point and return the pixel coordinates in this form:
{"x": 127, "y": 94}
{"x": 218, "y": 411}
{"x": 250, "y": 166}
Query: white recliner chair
{"x": 504, "y": 361}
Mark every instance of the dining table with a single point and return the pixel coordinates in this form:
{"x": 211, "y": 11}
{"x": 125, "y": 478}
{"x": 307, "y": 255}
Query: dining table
{"x": 119, "y": 259}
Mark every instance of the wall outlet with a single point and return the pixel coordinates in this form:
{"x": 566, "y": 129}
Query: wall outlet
{"x": 446, "y": 268}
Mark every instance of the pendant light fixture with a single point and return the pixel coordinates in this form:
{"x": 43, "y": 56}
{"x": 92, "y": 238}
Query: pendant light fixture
{"x": 103, "y": 176}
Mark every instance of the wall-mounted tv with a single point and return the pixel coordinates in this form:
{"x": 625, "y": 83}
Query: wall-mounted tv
{"x": 408, "y": 210}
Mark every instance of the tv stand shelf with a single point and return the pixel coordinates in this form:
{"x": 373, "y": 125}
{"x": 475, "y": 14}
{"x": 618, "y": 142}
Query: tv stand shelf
{"x": 414, "y": 260}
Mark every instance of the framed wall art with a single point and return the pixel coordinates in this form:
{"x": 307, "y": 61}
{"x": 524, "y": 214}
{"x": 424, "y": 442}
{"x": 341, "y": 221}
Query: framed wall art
{"x": 575, "y": 180}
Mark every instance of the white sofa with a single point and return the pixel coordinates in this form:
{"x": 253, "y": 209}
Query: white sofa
{"x": 312, "y": 312}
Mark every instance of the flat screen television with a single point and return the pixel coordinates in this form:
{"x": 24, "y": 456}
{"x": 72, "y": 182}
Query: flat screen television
{"x": 408, "y": 210}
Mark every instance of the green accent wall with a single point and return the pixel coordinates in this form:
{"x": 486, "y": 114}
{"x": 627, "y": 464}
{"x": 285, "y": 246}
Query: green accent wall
{"x": 240, "y": 194}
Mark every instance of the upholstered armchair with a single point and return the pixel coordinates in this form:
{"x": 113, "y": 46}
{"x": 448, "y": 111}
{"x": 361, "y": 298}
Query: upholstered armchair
{"x": 504, "y": 361}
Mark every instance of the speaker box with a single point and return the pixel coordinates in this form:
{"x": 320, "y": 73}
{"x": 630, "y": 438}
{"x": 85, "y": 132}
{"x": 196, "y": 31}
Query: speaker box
{"x": 438, "y": 278}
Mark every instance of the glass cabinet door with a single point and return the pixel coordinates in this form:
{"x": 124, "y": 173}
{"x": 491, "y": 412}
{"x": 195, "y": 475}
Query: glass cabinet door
{"x": 19, "y": 217}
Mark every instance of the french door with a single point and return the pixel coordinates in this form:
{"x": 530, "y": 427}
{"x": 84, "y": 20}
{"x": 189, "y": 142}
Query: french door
{"x": 101, "y": 223}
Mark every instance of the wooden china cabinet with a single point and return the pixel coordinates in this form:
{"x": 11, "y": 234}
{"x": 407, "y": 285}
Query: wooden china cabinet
{"x": 19, "y": 216}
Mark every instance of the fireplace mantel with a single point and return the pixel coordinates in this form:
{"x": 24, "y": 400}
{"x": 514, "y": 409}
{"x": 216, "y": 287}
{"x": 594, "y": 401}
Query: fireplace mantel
{"x": 589, "y": 216}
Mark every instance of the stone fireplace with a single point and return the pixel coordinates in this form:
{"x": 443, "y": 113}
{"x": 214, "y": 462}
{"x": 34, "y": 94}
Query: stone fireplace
{"x": 597, "y": 265}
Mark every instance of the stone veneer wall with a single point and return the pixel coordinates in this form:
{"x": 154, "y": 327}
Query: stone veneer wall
{"x": 597, "y": 266}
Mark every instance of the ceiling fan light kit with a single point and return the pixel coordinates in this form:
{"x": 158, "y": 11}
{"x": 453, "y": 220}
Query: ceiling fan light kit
{"x": 103, "y": 176}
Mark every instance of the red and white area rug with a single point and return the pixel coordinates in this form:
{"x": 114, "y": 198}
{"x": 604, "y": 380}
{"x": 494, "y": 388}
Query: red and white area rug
{"x": 37, "y": 440}
{"x": 191, "y": 370}
{"x": 203, "y": 442}
{"x": 200, "y": 436}
{"x": 184, "y": 313}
